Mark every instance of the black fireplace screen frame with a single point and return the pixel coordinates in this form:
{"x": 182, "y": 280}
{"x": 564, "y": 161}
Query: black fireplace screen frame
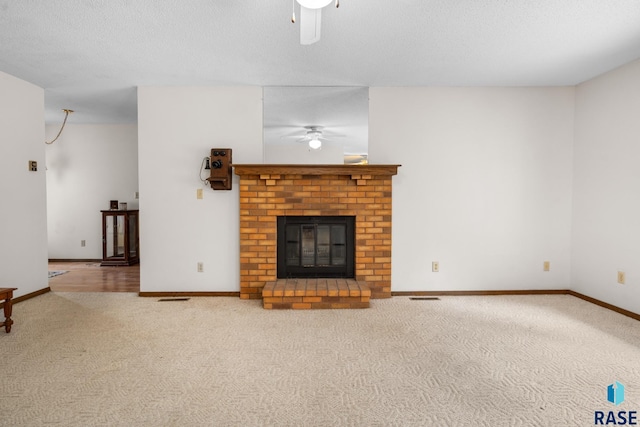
{"x": 287, "y": 270}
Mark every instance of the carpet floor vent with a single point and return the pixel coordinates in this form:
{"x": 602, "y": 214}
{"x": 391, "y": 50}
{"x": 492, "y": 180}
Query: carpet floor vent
{"x": 425, "y": 298}
{"x": 173, "y": 299}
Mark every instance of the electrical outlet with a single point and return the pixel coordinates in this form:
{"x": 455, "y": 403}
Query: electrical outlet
{"x": 136, "y": 195}
{"x": 621, "y": 277}
{"x": 435, "y": 266}
{"x": 199, "y": 194}
{"x": 546, "y": 266}
{"x": 33, "y": 166}
{"x": 200, "y": 267}
{"x": 83, "y": 243}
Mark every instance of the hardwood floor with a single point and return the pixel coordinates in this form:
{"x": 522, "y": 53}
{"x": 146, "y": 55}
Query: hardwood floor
{"x": 90, "y": 277}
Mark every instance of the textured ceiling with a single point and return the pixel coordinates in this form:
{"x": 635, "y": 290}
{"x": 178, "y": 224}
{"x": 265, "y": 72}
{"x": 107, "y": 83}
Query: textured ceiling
{"x": 90, "y": 55}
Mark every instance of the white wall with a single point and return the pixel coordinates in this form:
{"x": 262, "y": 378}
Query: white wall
{"x": 23, "y": 217}
{"x": 606, "y": 219}
{"x": 88, "y": 166}
{"x": 177, "y": 127}
{"x": 484, "y": 187}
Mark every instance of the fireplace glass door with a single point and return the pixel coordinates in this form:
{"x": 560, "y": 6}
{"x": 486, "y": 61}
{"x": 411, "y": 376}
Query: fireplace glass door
{"x": 315, "y": 246}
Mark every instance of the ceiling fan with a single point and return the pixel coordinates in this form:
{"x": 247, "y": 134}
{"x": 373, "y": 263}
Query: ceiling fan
{"x": 310, "y": 18}
{"x": 314, "y": 136}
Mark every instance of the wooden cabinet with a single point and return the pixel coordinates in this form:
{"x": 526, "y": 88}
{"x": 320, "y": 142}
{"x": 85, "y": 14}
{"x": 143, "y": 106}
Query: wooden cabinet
{"x": 120, "y": 241}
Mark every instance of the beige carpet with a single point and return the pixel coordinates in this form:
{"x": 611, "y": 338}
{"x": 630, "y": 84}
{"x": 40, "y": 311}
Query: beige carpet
{"x": 115, "y": 359}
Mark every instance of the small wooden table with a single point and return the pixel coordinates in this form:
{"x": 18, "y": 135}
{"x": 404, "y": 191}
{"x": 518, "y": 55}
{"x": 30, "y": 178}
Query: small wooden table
{"x": 6, "y": 294}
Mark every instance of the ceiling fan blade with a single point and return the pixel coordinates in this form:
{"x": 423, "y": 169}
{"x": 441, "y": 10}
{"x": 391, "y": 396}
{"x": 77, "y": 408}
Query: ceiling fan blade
{"x": 309, "y": 25}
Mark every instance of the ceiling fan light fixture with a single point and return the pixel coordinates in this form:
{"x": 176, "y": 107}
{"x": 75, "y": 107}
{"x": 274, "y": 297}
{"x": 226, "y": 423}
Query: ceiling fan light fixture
{"x": 315, "y": 144}
{"x": 314, "y": 4}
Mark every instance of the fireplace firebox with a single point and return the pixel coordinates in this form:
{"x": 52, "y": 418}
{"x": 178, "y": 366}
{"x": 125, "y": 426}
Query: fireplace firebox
{"x": 315, "y": 246}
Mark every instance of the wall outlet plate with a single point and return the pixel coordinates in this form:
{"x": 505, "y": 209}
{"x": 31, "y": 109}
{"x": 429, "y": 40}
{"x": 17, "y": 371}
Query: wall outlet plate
{"x": 621, "y": 277}
{"x": 546, "y": 266}
{"x": 435, "y": 267}
{"x": 33, "y": 166}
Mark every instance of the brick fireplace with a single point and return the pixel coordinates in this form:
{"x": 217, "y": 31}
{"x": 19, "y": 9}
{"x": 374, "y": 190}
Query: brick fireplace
{"x": 271, "y": 191}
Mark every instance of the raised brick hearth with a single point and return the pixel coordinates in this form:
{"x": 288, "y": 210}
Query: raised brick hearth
{"x": 315, "y": 293}
{"x": 269, "y": 191}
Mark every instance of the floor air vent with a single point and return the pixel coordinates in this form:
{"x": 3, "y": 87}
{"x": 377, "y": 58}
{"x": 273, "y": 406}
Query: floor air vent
{"x": 425, "y": 298}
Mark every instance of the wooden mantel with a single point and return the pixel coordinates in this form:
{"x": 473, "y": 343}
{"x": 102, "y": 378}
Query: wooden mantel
{"x": 263, "y": 169}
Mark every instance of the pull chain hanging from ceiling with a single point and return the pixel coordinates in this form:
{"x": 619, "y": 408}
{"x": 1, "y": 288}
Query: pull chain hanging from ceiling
{"x": 66, "y": 114}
